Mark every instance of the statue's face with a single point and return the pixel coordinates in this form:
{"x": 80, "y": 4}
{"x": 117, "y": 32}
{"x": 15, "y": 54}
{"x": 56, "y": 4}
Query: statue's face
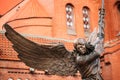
{"x": 81, "y": 48}
{"x": 79, "y": 45}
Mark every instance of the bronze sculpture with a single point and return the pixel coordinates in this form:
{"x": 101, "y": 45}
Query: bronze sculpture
{"x": 88, "y": 61}
{"x": 56, "y": 59}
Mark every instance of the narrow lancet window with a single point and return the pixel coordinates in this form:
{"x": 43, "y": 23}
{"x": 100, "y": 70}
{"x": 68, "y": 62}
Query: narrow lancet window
{"x": 70, "y": 19}
{"x": 86, "y": 21}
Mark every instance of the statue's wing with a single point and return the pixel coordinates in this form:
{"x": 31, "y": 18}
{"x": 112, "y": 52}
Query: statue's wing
{"x": 96, "y": 41}
{"x": 93, "y": 36}
{"x": 54, "y": 58}
{"x": 97, "y": 36}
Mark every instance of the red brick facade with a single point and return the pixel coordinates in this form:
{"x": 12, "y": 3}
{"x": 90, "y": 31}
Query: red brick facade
{"x": 45, "y": 21}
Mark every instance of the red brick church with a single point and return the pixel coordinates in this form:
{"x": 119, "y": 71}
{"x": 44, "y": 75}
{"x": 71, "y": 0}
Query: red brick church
{"x": 45, "y": 21}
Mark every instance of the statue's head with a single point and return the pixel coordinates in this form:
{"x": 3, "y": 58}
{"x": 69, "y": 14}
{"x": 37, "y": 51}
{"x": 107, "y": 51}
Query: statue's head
{"x": 79, "y": 45}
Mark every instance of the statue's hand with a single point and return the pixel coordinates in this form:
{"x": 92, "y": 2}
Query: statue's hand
{"x": 99, "y": 47}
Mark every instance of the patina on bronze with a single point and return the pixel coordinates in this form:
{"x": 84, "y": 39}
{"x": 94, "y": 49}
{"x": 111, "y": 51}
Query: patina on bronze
{"x": 88, "y": 60}
{"x": 55, "y": 59}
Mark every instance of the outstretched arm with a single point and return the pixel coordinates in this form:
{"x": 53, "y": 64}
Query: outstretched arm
{"x": 96, "y": 39}
{"x": 99, "y": 42}
{"x": 98, "y": 49}
{"x": 85, "y": 59}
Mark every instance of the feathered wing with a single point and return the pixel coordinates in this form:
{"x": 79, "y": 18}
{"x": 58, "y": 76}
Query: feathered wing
{"x": 97, "y": 36}
{"x": 54, "y": 58}
{"x": 96, "y": 40}
{"x": 93, "y": 36}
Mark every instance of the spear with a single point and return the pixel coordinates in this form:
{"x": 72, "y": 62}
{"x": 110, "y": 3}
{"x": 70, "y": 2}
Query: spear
{"x": 101, "y": 21}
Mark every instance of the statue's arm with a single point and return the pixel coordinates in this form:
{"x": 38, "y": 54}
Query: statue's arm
{"x": 97, "y": 50}
{"x": 83, "y": 59}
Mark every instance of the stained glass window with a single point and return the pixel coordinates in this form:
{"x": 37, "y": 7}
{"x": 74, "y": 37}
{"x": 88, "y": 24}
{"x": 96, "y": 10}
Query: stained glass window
{"x": 70, "y": 19}
{"x": 10, "y": 78}
{"x": 86, "y": 20}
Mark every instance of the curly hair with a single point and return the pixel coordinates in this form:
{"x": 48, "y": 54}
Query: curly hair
{"x": 79, "y": 41}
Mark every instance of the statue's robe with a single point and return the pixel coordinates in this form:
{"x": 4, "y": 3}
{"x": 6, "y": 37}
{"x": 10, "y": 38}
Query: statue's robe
{"x": 89, "y": 65}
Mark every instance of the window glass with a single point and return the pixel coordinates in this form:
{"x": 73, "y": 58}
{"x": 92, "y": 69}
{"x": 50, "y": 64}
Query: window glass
{"x": 86, "y": 21}
{"x": 70, "y": 19}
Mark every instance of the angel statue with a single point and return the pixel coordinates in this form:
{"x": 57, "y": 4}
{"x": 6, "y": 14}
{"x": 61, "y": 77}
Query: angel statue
{"x": 56, "y": 59}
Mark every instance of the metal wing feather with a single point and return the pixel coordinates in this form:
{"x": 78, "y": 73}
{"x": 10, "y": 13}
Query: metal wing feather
{"x": 97, "y": 36}
{"x": 92, "y": 38}
{"x": 54, "y": 58}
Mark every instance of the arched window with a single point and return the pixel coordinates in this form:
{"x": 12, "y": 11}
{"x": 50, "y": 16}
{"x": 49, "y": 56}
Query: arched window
{"x": 86, "y": 21}
{"x": 70, "y": 18}
{"x": 10, "y": 78}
